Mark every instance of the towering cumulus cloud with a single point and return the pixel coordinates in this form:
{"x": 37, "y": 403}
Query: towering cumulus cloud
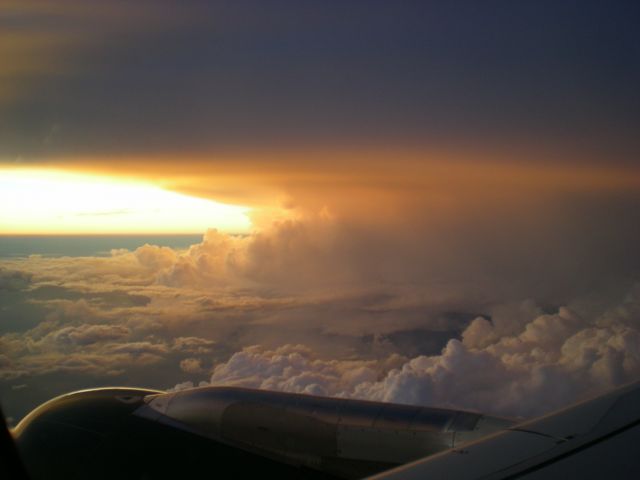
{"x": 550, "y": 360}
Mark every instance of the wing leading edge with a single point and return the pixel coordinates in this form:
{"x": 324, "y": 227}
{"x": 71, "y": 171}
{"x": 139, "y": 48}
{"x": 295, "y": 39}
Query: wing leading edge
{"x": 599, "y": 438}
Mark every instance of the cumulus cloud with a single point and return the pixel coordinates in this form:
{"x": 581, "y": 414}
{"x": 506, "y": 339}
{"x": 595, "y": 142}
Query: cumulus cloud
{"x": 191, "y": 365}
{"x": 153, "y": 257}
{"x": 428, "y": 313}
{"x": 88, "y": 334}
{"x": 521, "y": 370}
{"x": 294, "y": 368}
{"x": 63, "y": 344}
{"x": 95, "y": 364}
{"x": 193, "y": 345}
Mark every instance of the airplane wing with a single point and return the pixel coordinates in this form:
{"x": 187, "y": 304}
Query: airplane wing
{"x": 137, "y": 433}
{"x": 242, "y": 433}
{"x": 596, "y": 439}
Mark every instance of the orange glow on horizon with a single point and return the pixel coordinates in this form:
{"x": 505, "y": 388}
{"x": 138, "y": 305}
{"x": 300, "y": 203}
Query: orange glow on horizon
{"x": 37, "y": 201}
{"x": 183, "y": 196}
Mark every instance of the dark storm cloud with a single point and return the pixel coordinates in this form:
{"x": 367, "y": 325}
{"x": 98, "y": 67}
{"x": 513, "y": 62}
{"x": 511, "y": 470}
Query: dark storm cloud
{"x": 197, "y": 76}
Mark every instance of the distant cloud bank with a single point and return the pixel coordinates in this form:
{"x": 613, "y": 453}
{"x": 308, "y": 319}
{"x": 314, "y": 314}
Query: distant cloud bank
{"x": 311, "y": 305}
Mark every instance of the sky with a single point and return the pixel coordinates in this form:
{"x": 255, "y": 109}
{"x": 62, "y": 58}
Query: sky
{"x": 426, "y": 202}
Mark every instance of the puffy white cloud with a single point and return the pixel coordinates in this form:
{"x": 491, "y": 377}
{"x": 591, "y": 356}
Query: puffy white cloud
{"x": 553, "y": 360}
{"x": 154, "y": 257}
{"x": 62, "y": 345}
{"x": 191, "y": 365}
{"x": 181, "y": 386}
{"x": 538, "y": 366}
{"x": 292, "y": 368}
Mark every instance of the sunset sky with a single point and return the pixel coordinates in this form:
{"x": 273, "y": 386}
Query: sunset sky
{"x": 429, "y": 202}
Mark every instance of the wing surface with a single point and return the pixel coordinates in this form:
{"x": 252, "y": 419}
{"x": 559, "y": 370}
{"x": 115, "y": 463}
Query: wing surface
{"x": 596, "y": 439}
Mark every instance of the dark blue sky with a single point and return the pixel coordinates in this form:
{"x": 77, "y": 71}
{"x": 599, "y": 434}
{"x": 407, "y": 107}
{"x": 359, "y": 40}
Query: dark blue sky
{"x": 200, "y": 76}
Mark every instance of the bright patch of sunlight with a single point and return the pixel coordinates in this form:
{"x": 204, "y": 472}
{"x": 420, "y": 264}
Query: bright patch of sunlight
{"x": 51, "y": 202}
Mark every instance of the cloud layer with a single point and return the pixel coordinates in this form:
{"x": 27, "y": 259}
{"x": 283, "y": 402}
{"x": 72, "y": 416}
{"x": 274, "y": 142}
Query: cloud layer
{"x": 313, "y": 305}
{"x": 509, "y": 366}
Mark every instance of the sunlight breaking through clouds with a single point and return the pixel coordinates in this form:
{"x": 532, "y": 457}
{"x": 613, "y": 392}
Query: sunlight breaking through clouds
{"x": 44, "y": 201}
